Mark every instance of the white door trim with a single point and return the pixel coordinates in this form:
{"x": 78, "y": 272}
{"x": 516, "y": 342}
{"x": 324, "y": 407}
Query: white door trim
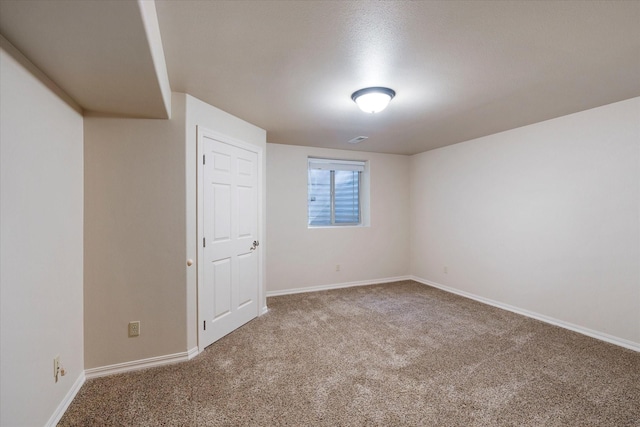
{"x": 201, "y": 132}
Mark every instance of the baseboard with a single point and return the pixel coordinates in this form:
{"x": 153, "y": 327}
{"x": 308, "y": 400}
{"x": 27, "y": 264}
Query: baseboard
{"x": 336, "y": 286}
{"x": 136, "y": 365}
{"x": 193, "y": 353}
{"x": 566, "y": 325}
{"x": 264, "y": 310}
{"x": 62, "y": 407}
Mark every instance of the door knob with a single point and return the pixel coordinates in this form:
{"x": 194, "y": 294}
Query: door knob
{"x": 255, "y": 245}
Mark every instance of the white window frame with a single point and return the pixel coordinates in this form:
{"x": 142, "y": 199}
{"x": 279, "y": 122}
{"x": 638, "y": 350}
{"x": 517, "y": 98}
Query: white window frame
{"x": 339, "y": 165}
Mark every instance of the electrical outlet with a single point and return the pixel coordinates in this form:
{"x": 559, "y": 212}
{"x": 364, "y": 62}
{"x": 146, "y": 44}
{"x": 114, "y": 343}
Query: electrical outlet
{"x": 134, "y": 328}
{"x": 56, "y": 367}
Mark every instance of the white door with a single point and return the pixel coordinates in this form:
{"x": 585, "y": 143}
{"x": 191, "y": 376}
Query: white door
{"x": 228, "y": 266}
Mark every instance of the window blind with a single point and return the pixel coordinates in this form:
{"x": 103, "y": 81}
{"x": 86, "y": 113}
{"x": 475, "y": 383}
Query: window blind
{"x": 336, "y": 165}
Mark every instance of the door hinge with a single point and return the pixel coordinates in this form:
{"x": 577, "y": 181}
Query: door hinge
{"x": 204, "y": 323}
{"x": 204, "y": 242}
{"x": 204, "y": 159}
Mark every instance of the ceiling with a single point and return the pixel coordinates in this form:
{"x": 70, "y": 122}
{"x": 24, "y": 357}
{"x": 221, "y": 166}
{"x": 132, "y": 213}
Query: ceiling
{"x": 98, "y": 52}
{"x": 461, "y": 69}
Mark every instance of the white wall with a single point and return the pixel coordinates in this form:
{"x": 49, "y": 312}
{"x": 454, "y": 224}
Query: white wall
{"x": 300, "y": 257}
{"x": 135, "y": 234}
{"x": 41, "y": 244}
{"x": 544, "y": 218}
{"x": 141, "y": 228}
{"x": 202, "y": 114}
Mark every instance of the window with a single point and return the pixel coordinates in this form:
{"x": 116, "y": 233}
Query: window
{"x": 334, "y": 191}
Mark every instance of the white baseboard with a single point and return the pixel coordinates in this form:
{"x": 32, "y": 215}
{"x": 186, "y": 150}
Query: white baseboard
{"x": 136, "y": 365}
{"x": 264, "y": 310}
{"x": 566, "y": 325}
{"x": 193, "y": 353}
{"x": 336, "y": 286}
{"x": 62, "y": 407}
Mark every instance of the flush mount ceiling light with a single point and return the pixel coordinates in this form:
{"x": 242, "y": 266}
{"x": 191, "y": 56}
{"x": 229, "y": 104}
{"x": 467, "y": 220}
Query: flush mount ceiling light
{"x": 373, "y": 99}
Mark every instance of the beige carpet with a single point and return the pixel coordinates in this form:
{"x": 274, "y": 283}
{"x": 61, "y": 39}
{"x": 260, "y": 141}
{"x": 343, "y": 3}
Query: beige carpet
{"x": 386, "y": 355}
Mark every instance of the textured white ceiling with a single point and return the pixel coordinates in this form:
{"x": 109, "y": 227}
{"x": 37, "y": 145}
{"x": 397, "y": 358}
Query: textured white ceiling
{"x": 460, "y": 69}
{"x": 98, "y": 52}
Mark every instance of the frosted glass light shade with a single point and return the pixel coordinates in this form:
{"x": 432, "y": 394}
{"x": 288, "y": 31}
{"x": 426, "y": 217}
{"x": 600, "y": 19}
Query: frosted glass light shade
{"x": 373, "y": 99}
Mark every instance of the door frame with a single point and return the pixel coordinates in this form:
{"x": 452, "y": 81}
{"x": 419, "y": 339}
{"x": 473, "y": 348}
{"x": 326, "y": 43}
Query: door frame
{"x": 201, "y": 133}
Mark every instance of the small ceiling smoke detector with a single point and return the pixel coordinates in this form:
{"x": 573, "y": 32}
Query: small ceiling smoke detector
{"x": 357, "y": 139}
{"x": 373, "y": 99}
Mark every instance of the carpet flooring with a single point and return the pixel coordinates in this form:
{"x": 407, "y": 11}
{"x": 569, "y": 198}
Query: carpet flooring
{"x": 398, "y": 354}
